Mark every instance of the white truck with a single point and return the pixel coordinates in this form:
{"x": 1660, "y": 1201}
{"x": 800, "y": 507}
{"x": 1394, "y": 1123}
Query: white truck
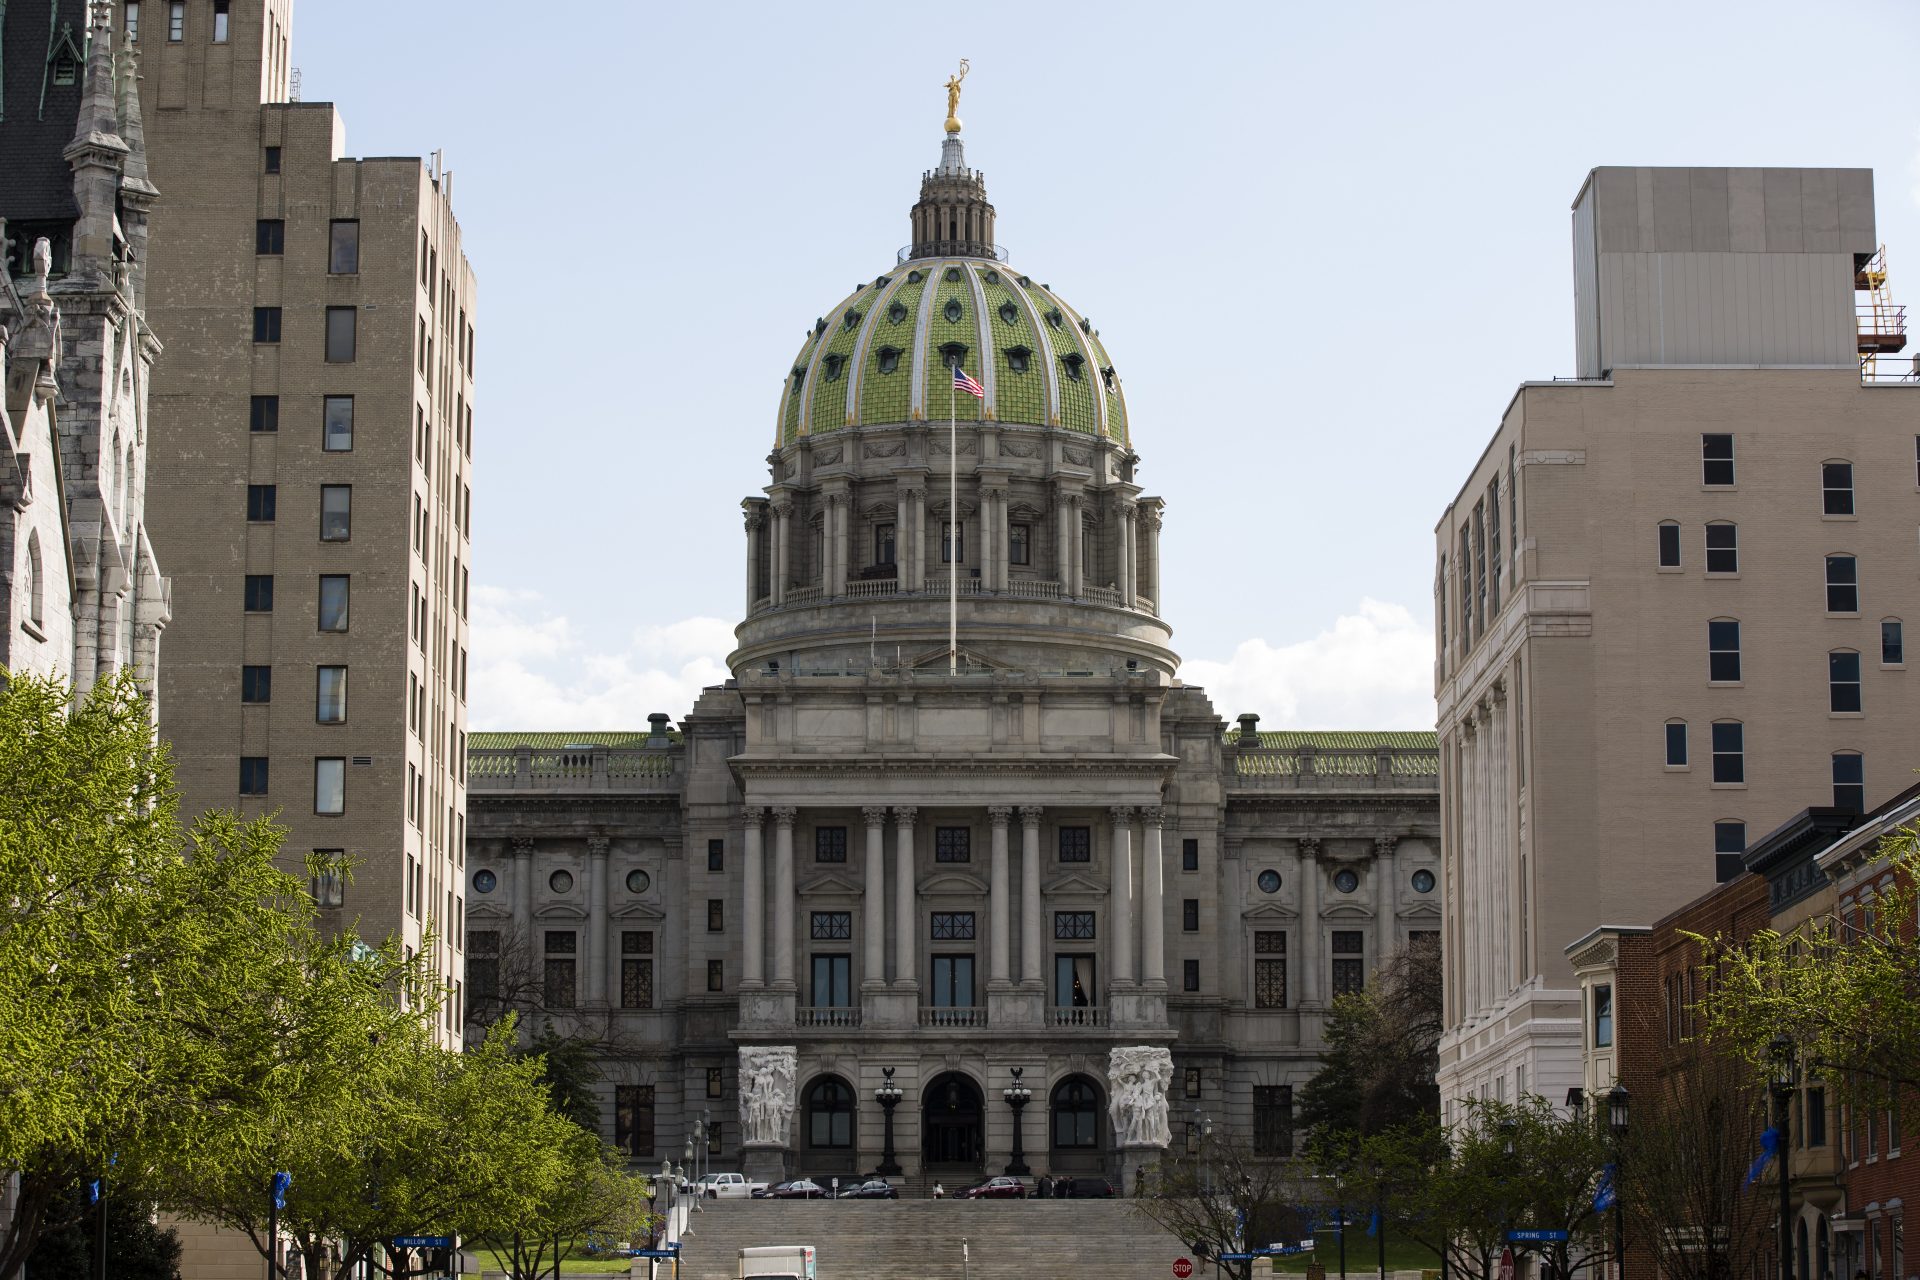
{"x": 729, "y": 1186}
{"x": 777, "y": 1262}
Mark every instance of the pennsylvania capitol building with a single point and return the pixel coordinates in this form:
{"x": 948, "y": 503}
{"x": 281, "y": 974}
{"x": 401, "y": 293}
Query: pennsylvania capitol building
{"x": 872, "y": 860}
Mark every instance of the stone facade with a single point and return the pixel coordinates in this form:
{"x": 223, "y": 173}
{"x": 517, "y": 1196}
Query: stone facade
{"x": 81, "y": 595}
{"x": 1032, "y": 856}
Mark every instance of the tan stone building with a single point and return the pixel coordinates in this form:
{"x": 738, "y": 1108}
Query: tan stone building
{"x": 1670, "y": 597}
{"x": 312, "y": 448}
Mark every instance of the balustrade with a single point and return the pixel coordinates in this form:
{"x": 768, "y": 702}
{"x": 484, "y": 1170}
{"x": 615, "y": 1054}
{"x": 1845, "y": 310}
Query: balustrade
{"x": 953, "y": 1016}
{"x": 826, "y": 1016}
{"x": 1077, "y": 1016}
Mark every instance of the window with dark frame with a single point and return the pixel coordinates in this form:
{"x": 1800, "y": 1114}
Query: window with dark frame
{"x": 330, "y": 785}
{"x": 1729, "y": 751}
{"x": 335, "y": 601}
{"x": 1349, "y": 966}
{"x": 253, "y": 775}
{"x": 330, "y": 695}
{"x": 1723, "y": 547}
{"x": 715, "y": 1081}
{"x": 343, "y": 334}
{"x": 558, "y": 968}
{"x": 336, "y": 424}
{"x": 1676, "y": 743}
{"x": 1849, "y": 781}
{"x": 1843, "y": 681}
{"x": 256, "y": 684}
{"x": 1843, "y": 584}
{"x": 1190, "y": 915}
{"x": 1270, "y": 969}
{"x": 952, "y": 926}
{"x": 883, "y": 544}
{"x": 176, "y": 21}
{"x": 1893, "y": 650}
{"x": 266, "y": 324}
{"x": 261, "y": 501}
{"x": 1190, "y": 855}
{"x": 336, "y": 512}
{"x": 1602, "y": 1016}
{"x": 829, "y": 844}
{"x": 483, "y": 969}
{"x": 1716, "y": 459}
{"x": 952, "y": 844}
{"x": 1273, "y": 1120}
{"x": 1723, "y": 650}
{"x": 830, "y": 926}
{"x": 263, "y": 413}
{"x": 1836, "y": 488}
{"x": 222, "y": 16}
{"x": 717, "y": 855}
{"x": 636, "y": 969}
{"x": 272, "y": 159}
{"x": 1019, "y": 543}
{"x": 343, "y": 247}
{"x": 953, "y": 550}
{"x": 716, "y": 976}
{"x": 1669, "y": 545}
{"x": 716, "y": 915}
{"x": 1076, "y": 844}
{"x": 269, "y": 237}
{"x": 1073, "y": 925}
{"x": 1190, "y": 975}
{"x": 259, "y": 593}
{"x": 633, "y": 1120}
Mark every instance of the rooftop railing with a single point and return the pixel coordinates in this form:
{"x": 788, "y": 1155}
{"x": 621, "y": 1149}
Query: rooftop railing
{"x": 584, "y": 768}
{"x": 1307, "y": 767}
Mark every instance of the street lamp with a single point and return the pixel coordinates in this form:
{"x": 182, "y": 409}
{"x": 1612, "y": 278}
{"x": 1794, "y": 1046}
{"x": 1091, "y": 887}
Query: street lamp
{"x": 1781, "y": 1087}
{"x": 888, "y": 1095}
{"x": 1018, "y": 1096}
{"x": 1617, "y": 1123}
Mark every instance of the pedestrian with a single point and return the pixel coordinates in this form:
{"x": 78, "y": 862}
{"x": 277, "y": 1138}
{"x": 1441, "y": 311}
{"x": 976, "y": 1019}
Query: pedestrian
{"x": 939, "y": 1192}
{"x": 1041, "y": 1185}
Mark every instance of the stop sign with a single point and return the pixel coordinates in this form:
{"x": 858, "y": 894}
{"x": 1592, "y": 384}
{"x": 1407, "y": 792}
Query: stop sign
{"x": 1506, "y": 1264}
{"x": 1182, "y": 1267}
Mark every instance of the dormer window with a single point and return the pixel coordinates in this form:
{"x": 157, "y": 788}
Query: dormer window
{"x": 819, "y": 326}
{"x": 880, "y": 282}
{"x": 65, "y": 69}
{"x": 799, "y": 380}
{"x": 1107, "y": 374}
{"x": 953, "y": 275}
{"x": 1086, "y": 325}
{"x": 835, "y": 362}
{"x": 1009, "y": 313}
{"x": 1054, "y": 318}
{"x": 889, "y": 359}
{"x": 914, "y": 277}
{"x": 1073, "y": 364}
{"x": 953, "y": 354}
{"x": 896, "y": 313}
{"x": 953, "y": 311}
{"x": 1019, "y": 359}
{"x": 993, "y": 277}
{"x": 850, "y": 319}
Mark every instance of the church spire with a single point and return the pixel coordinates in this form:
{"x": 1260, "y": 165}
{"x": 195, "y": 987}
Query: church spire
{"x": 953, "y": 216}
{"x": 96, "y": 154}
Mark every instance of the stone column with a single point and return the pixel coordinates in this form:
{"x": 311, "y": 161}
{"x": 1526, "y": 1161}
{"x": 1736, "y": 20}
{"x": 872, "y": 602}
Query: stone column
{"x": 755, "y": 520}
{"x": 1063, "y": 541}
{"x": 523, "y": 884}
{"x": 912, "y": 529}
{"x": 783, "y": 897}
{"x": 842, "y": 542}
{"x": 782, "y": 547}
{"x": 875, "y": 912}
{"x": 1150, "y": 557}
{"x": 1126, "y": 557}
{"x": 1386, "y": 888}
{"x": 1076, "y": 554}
{"x": 597, "y": 847}
{"x": 906, "y": 937}
{"x": 753, "y": 911}
{"x": 1153, "y": 942}
{"x": 1309, "y": 958}
{"x": 999, "y": 966}
{"x": 1030, "y": 945}
{"x": 1120, "y": 899}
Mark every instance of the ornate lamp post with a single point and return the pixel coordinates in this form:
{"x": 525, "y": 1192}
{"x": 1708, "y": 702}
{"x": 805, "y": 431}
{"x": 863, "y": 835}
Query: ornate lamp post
{"x": 888, "y": 1095}
{"x": 1781, "y": 1087}
{"x": 1018, "y": 1096}
{"x": 1617, "y": 1124}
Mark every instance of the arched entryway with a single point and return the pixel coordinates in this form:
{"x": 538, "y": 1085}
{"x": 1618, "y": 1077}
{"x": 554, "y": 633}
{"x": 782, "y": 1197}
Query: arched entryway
{"x": 1076, "y": 1127}
{"x": 952, "y": 1126}
{"x": 828, "y": 1127}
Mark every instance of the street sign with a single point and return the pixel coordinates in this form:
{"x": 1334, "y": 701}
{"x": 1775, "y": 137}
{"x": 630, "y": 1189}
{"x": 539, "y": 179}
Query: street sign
{"x": 1534, "y": 1236}
{"x": 423, "y": 1242}
{"x": 670, "y": 1252}
{"x": 1182, "y": 1268}
{"x": 1506, "y": 1264}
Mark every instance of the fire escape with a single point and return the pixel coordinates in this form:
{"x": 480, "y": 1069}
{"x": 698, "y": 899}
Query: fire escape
{"x": 1880, "y": 323}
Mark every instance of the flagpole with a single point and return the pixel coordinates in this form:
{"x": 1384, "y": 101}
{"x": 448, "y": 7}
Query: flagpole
{"x": 953, "y": 527}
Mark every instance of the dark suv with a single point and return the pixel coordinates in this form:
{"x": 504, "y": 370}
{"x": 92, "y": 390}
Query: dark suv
{"x": 1084, "y": 1189}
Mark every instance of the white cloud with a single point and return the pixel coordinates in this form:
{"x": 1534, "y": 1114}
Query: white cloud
{"x": 530, "y": 671}
{"x": 1372, "y": 669}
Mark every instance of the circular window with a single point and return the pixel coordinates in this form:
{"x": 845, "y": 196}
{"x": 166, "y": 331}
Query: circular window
{"x": 561, "y": 882}
{"x": 485, "y": 881}
{"x": 1269, "y": 881}
{"x": 638, "y": 881}
{"x": 1346, "y": 881}
{"x": 1423, "y": 881}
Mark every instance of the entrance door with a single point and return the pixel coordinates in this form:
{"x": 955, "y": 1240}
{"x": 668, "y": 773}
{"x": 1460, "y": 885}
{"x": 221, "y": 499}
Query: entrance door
{"x": 951, "y": 1134}
{"x": 952, "y": 993}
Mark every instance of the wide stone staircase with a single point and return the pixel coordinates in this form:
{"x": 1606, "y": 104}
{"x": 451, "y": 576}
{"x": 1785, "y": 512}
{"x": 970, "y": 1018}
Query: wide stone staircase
{"x": 921, "y": 1239}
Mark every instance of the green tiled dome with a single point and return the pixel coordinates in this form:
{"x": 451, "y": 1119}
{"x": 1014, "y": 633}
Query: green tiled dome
{"x": 880, "y": 356}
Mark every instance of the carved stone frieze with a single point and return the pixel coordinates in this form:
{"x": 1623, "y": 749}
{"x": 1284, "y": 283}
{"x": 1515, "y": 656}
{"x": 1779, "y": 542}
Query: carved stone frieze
{"x": 884, "y": 448}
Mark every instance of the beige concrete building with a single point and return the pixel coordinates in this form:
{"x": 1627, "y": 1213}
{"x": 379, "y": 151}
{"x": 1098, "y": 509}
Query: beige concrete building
{"x": 312, "y": 447}
{"x": 1670, "y": 597}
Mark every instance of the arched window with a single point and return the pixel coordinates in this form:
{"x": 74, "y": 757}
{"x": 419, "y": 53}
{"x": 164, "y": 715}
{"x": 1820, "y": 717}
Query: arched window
{"x": 36, "y": 582}
{"x": 1075, "y": 1108}
{"x": 1723, "y": 650}
{"x": 1893, "y": 648}
{"x": 1723, "y": 547}
{"x": 1669, "y": 543}
{"x": 829, "y": 1114}
{"x": 1836, "y": 488}
{"x": 1729, "y": 751}
{"x": 1849, "y": 781}
{"x": 1843, "y": 680}
{"x": 1676, "y": 744}
{"x": 1843, "y": 584}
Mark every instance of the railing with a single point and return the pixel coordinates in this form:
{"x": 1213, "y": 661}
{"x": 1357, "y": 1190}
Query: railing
{"x": 1077, "y": 1016}
{"x": 873, "y": 587}
{"x": 569, "y": 769}
{"x": 1336, "y": 766}
{"x": 1033, "y": 589}
{"x": 1890, "y": 370}
{"x": 953, "y": 1016}
{"x": 936, "y": 586}
{"x": 949, "y": 249}
{"x": 803, "y": 595}
{"x": 1101, "y": 595}
{"x": 826, "y": 1016}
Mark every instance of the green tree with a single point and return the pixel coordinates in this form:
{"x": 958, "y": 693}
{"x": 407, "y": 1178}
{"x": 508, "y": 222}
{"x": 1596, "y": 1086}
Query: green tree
{"x": 594, "y": 1197}
{"x": 1221, "y": 1195}
{"x": 137, "y": 1247}
{"x": 1845, "y": 994}
{"x": 1378, "y": 1072}
{"x": 569, "y": 1067}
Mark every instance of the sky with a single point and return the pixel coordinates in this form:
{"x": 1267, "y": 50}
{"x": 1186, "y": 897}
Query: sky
{"x": 1323, "y": 244}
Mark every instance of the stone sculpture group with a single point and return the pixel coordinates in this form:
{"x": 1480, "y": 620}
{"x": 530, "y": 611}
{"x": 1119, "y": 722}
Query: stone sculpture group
{"x": 766, "y": 1092}
{"x": 1138, "y": 1077}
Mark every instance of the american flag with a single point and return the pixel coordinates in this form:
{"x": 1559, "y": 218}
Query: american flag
{"x": 962, "y": 382}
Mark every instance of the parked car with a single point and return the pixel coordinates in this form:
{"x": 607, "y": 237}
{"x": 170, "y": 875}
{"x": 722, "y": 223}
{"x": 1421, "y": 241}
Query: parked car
{"x": 801, "y": 1189}
{"x": 766, "y": 1192}
{"x": 729, "y": 1186}
{"x": 1002, "y": 1188}
{"x": 1084, "y": 1188}
{"x": 871, "y": 1189}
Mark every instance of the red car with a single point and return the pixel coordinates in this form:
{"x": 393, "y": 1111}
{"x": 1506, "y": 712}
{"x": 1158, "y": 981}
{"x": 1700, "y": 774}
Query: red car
{"x": 996, "y": 1189}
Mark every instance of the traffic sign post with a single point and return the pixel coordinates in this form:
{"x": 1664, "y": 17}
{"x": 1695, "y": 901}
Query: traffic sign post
{"x": 1182, "y": 1268}
{"x": 1536, "y": 1236}
{"x": 1506, "y": 1264}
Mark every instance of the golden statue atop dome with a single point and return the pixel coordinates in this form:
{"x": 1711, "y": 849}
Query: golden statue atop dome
{"x": 953, "y": 98}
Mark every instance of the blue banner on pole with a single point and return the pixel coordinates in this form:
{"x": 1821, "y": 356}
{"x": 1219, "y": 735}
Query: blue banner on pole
{"x": 1769, "y": 1147}
{"x": 93, "y": 1192}
{"x": 282, "y": 1183}
{"x": 1373, "y": 1223}
{"x": 1603, "y": 1195}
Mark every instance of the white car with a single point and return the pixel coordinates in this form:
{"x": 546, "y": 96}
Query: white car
{"x": 729, "y": 1186}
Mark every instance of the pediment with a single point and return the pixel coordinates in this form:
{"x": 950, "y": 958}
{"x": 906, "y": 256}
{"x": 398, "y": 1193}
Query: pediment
{"x": 1346, "y": 911}
{"x": 968, "y": 658}
{"x": 488, "y": 911}
{"x": 638, "y": 911}
{"x": 880, "y": 511}
{"x": 1270, "y": 911}
{"x": 827, "y": 883}
{"x": 1422, "y": 910}
{"x": 1026, "y": 511}
{"x": 953, "y": 882}
{"x": 560, "y": 911}
{"x": 1076, "y": 885}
